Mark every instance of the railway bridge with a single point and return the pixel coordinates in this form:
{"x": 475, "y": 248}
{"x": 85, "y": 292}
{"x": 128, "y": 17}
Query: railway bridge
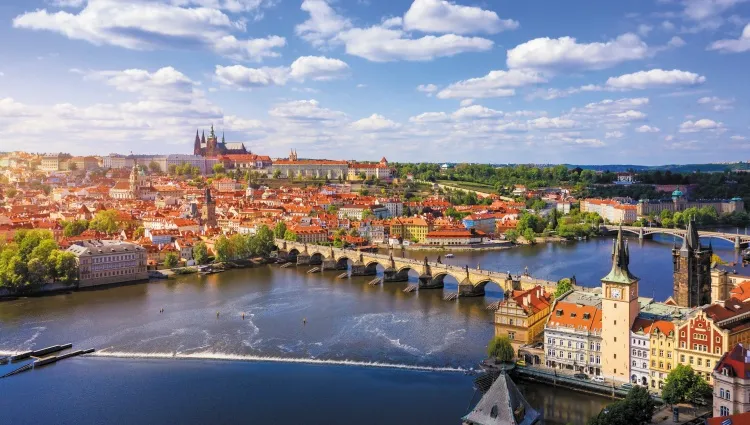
{"x": 471, "y": 281}
{"x": 739, "y": 241}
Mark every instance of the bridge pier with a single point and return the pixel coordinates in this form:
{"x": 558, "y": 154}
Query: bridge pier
{"x": 360, "y": 269}
{"x": 427, "y": 282}
{"x": 328, "y": 264}
{"x": 467, "y": 289}
{"x": 392, "y": 275}
{"x": 303, "y": 260}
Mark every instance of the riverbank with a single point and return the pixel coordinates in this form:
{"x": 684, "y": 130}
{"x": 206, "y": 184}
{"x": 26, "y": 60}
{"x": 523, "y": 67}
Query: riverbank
{"x": 496, "y": 246}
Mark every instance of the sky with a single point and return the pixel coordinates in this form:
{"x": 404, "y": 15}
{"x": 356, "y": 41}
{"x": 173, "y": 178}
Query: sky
{"x": 491, "y": 81}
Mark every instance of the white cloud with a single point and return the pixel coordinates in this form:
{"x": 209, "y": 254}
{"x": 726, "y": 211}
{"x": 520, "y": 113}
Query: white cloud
{"x": 153, "y": 25}
{"x": 630, "y": 115}
{"x": 323, "y": 24}
{"x": 738, "y": 138}
{"x": 667, "y": 26}
{"x": 373, "y": 123}
{"x": 317, "y": 68}
{"x": 9, "y": 108}
{"x": 614, "y": 134}
{"x": 239, "y": 76}
{"x": 381, "y": 44}
{"x": 565, "y": 53}
{"x": 466, "y": 102}
{"x": 440, "y": 16}
{"x": 234, "y": 6}
{"x": 655, "y": 78}
{"x": 427, "y": 117}
{"x": 644, "y": 29}
{"x": 609, "y": 106}
{"x": 739, "y": 45}
{"x": 476, "y": 112}
{"x": 703, "y": 10}
{"x": 427, "y": 88}
{"x": 594, "y": 143}
{"x": 494, "y": 84}
{"x": 545, "y": 123}
{"x": 647, "y": 129}
{"x": 305, "y": 111}
{"x": 361, "y": 85}
{"x": 700, "y": 125}
{"x": 716, "y": 103}
{"x": 676, "y": 42}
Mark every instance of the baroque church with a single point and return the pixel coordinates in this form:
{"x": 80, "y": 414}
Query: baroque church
{"x": 211, "y": 147}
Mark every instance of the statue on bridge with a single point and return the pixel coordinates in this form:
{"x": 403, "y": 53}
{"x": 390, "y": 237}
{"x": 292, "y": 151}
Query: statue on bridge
{"x": 438, "y": 260}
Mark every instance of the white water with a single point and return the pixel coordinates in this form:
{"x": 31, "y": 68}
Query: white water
{"x": 206, "y": 355}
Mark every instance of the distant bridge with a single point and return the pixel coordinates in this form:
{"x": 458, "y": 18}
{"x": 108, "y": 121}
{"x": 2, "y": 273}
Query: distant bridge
{"x": 471, "y": 281}
{"x": 738, "y": 240}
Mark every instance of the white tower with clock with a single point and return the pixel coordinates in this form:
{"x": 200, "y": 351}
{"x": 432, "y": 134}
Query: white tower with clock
{"x": 619, "y": 310}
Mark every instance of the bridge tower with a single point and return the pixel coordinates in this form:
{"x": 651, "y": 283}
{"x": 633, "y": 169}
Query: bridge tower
{"x": 619, "y": 310}
{"x": 692, "y": 270}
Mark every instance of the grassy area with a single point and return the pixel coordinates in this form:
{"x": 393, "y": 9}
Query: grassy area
{"x": 468, "y": 186}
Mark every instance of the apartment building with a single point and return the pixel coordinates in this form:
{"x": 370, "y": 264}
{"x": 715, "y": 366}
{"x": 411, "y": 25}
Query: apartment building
{"x": 573, "y": 334}
{"x": 102, "y": 262}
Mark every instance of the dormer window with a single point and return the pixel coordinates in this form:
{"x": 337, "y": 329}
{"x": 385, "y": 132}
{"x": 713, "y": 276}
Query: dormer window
{"x": 586, "y": 315}
{"x": 725, "y": 371}
{"x": 559, "y": 313}
{"x": 572, "y": 315}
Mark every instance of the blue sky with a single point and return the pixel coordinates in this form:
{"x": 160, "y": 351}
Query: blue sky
{"x": 647, "y": 82}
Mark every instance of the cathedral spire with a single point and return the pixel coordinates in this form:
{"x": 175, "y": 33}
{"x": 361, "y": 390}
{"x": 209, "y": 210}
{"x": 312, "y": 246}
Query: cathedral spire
{"x": 222, "y": 136}
{"x": 620, "y": 261}
{"x": 197, "y": 144}
{"x": 203, "y": 137}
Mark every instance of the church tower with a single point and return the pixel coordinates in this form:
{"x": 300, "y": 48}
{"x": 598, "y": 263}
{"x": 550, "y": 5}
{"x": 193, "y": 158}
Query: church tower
{"x": 692, "y": 270}
{"x": 197, "y": 146}
{"x": 619, "y": 310}
{"x": 208, "y": 213}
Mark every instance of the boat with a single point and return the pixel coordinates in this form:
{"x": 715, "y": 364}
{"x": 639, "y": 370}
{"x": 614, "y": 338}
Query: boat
{"x": 449, "y": 255}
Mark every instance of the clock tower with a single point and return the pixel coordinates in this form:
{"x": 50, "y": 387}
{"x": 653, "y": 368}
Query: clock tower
{"x": 619, "y": 310}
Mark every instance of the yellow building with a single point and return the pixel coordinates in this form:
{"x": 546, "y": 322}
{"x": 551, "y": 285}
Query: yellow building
{"x": 522, "y": 315}
{"x": 413, "y": 229}
{"x": 620, "y": 308}
{"x": 663, "y": 356}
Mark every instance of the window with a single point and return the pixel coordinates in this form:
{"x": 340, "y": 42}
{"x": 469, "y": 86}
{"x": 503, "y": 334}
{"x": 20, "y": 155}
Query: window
{"x": 724, "y": 411}
{"x": 661, "y": 353}
{"x": 700, "y": 361}
{"x": 653, "y": 351}
{"x": 615, "y": 339}
{"x": 634, "y": 363}
{"x": 682, "y": 358}
{"x": 691, "y": 359}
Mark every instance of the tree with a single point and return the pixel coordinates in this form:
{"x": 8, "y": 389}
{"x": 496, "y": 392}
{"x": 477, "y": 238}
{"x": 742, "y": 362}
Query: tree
{"x": 636, "y": 409}
{"x": 172, "y": 169}
{"x": 72, "y": 166}
{"x": 263, "y": 241}
{"x": 154, "y": 167}
{"x": 222, "y": 249}
{"x": 279, "y": 230}
{"x": 66, "y": 267}
{"x": 684, "y": 385}
{"x": 501, "y": 349}
{"x": 276, "y": 173}
{"x": 200, "y": 253}
{"x": 239, "y": 245}
{"x": 563, "y": 286}
{"x": 290, "y": 236}
{"x": 219, "y": 168}
{"x": 139, "y": 232}
{"x": 105, "y": 221}
{"x": 171, "y": 260}
{"x": 11, "y": 192}
{"x": 75, "y": 228}
{"x": 529, "y": 235}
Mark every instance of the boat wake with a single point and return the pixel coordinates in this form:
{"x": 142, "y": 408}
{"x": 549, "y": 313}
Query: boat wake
{"x": 206, "y": 355}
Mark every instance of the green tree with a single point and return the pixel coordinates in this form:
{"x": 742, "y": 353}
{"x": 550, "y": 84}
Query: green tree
{"x": 279, "y": 230}
{"x": 290, "y": 236}
{"x": 36, "y": 272}
{"x": 563, "y": 286}
{"x": 11, "y": 192}
{"x": 240, "y": 246}
{"x": 66, "y": 267}
{"x": 75, "y": 228}
{"x": 72, "y": 166}
{"x": 636, "y": 409}
{"x": 154, "y": 167}
{"x": 105, "y": 221}
{"x": 139, "y": 232}
{"x": 172, "y": 169}
{"x": 222, "y": 249}
{"x": 529, "y": 235}
{"x": 276, "y": 173}
{"x": 501, "y": 349}
{"x": 263, "y": 241}
{"x": 684, "y": 385}
{"x": 219, "y": 168}
{"x": 200, "y": 253}
{"x": 171, "y": 260}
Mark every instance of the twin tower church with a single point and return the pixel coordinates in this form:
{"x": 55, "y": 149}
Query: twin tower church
{"x": 211, "y": 147}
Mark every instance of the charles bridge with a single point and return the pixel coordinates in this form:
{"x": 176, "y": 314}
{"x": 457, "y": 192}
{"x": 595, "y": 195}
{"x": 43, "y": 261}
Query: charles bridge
{"x": 739, "y": 241}
{"x": 471, "y": 281}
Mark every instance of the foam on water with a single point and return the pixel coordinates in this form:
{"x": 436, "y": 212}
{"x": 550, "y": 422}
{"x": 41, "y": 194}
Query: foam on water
{"x": 206, "y": 355}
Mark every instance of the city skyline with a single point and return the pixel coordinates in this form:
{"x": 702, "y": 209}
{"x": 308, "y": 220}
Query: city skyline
{"x": 650, "y": 82}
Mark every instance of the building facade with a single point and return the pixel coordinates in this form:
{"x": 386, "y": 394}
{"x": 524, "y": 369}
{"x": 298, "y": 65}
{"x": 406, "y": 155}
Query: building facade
{"x": 309, "y": 168}
{"x": 211, "y": 147}
{"x": 208, "y": 211}
{"x": 102, "y": 262}
{"x": 732, "y": 382}
{"x": 521, "y": 316}
{"x": 620, "y": 308}
{"x": 692, "y": 271}
{"x": 663, "y": 343}
{"x": 680, "y": 203}
{"x": 573, "y": 334}
{"x": 640, "y": 336}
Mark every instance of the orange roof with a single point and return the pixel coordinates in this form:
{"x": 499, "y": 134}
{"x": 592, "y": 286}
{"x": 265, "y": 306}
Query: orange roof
{"x": 741, "y": 291}
{"x": 641, "y": 323}
{"x": 662, "y": 326}
{"x": 583, "y": 317}
{"x": 738, "y": 419}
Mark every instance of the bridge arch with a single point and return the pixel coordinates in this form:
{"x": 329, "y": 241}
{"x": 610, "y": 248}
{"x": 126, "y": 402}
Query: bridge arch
{"x": 482, "y": 286}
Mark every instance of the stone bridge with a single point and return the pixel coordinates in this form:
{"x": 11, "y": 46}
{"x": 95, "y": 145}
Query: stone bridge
{"x": 739, "y": 241}
{"x": 471, "y": 281}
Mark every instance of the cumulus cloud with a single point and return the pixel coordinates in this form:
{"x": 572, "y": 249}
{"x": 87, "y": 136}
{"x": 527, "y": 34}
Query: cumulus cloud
{"x": 739, "y": 45}
{"x": 428, "y": 117}
{"x": 153, "y": 25}
{"x": 476, "y": 112}
{"x": 647, "y": 129}
{"x": 738, "y": 138}
{"x": 700, "y": 125}
{"x": 315, "y": 68}
{"x": 305, "y": 111}
{"x": 614, "y": 134}
{"x": 440, "y": 16}
{"x": 716, "y": 103}
{"x": 566, "y": 53}
{"x": 374, "y": 123}
{"x": 655, "y": 78}
{"x": 494, "y": 84}
{"x": 323, "y": 24}
{"x": 545, "y": 123}
{"x": 427, "y": 88}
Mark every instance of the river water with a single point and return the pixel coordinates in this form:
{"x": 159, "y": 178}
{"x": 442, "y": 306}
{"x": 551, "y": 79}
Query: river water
{"x": 379, "y": 355}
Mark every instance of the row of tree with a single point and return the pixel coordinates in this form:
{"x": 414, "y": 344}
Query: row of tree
{"x": 33, "y": 259}
{"x": 240, "y": 246}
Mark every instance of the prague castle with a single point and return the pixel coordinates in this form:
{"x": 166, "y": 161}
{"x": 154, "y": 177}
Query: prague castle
{"x": 211, "y": 147}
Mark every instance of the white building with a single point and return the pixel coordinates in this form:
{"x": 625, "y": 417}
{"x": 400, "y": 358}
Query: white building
{"x": 640, "y": 335}
{"x": 394, "y": 206}
{"x": 572, "y": 334}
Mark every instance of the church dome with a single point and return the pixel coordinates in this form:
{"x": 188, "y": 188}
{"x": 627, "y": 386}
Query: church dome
{"x": 677, "y": 193}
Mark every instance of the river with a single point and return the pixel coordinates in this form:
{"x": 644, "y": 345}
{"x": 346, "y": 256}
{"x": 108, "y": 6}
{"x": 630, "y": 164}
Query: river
{"x": 367, "y": 354}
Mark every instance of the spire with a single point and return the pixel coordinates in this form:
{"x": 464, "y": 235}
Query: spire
{"x": 620, "y": 261}
{"x": 208, "y": 195}
{"x": 203, "y": 137}
{"x": 212, "y": 135}
{"x": 222, "y": 136}
{"x": 691, "y": 236}
{"x": 197, "y": 144}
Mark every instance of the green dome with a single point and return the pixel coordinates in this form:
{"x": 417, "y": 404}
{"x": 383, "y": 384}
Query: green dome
{"x": 677, "y": 193}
